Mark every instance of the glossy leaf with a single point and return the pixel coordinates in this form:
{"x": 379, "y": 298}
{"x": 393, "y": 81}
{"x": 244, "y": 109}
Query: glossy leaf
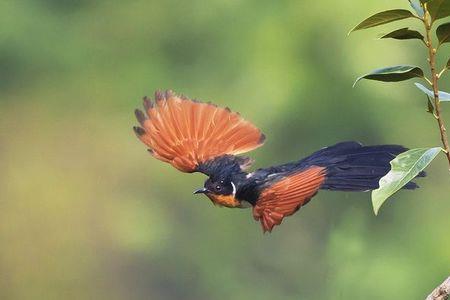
{"x": 393, "y": 74}
{"x": 438, "y": 9}
{"x": 443, "y": 96}
{"x": 404, "y": 34}
{"x": 383, "y": 18}
{"x": 416, "y": 5}
{"x": 404, "y": 168}
{"x": 443, "y": 33}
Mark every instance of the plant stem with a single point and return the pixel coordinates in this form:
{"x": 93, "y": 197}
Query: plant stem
{"x": 434, "y": 84}
{"x": 442, "y": 292}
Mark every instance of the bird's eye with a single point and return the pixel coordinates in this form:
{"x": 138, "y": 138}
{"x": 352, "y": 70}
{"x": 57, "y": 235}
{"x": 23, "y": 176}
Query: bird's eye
{"x": 218, "y": 187}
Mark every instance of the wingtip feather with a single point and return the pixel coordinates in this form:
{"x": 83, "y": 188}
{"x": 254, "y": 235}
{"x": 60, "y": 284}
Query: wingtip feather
{"x": 139, "y": 131}
{"x": 262, "y": 138}
{"x": 140, "y": 116}
{"x": 159, "y": 96}
{"x": 148, "y": 104}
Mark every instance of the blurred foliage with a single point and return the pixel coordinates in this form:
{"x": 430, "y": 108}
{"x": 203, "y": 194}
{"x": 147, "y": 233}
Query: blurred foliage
{"x": 85, "y": 213}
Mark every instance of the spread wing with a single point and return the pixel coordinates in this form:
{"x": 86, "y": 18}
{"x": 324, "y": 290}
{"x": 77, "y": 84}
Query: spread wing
{"x": 188, "y": 133}
{"x": 285, "y": 196}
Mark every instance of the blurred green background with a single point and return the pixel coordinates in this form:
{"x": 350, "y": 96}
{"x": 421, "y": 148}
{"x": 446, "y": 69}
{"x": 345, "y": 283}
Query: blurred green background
{"x": 86, "y": 213}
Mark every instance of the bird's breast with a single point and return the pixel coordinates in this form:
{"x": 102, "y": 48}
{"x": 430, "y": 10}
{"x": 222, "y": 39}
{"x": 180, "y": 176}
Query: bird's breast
{"x": 224, "y": 200}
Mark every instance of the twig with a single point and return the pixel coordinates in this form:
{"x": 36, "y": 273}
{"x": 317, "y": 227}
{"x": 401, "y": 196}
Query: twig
{"x": 435, "y": 77}
{"x": 442, "y": 292}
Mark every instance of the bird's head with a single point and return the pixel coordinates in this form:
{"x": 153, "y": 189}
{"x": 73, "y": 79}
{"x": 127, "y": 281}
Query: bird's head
{"x": 221, "y": 190}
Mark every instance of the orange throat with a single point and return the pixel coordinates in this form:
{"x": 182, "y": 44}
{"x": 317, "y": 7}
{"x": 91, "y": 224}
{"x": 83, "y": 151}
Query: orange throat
{"x": 224, "y": 200}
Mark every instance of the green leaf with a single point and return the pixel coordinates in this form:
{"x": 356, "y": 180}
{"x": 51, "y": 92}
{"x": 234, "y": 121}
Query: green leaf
{"x": 383, "y": 18}
{"x": 443, "y": 96}
{"x": 438, "y": 9}
{"x": 393, "y": 74}
{"x": 417, "y": 6}
{"x": 443, "y": 33}
{"x": 448, "y": 64}
{"x": 404, "y": 168}
{"x": 430, "y": 106}
{"x": 404, "y": 34}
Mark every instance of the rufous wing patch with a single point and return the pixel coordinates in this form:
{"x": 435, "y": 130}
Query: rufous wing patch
{"x": 186, "y": 133}
{"x": 284, "y": 197}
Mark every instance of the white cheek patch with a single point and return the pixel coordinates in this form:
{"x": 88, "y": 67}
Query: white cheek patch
{"x": 234, "y": 189}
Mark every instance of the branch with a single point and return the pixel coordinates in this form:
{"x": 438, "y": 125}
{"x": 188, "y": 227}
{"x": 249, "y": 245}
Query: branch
{"x": 442, "y": 292}
{"x": 435, "y": 77}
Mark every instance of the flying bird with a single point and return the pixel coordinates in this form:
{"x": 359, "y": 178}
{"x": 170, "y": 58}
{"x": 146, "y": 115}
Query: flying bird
{"x": 194, "y": 136}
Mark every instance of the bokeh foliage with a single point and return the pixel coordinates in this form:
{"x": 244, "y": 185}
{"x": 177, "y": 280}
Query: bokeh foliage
{"x": 86, "y": 213}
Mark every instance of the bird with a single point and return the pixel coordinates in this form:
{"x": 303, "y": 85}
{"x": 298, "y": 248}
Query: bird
{"x": 196, "y": 136}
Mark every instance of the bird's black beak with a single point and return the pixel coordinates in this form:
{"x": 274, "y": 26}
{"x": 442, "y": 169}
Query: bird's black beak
{"x": 201, "y": 191}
